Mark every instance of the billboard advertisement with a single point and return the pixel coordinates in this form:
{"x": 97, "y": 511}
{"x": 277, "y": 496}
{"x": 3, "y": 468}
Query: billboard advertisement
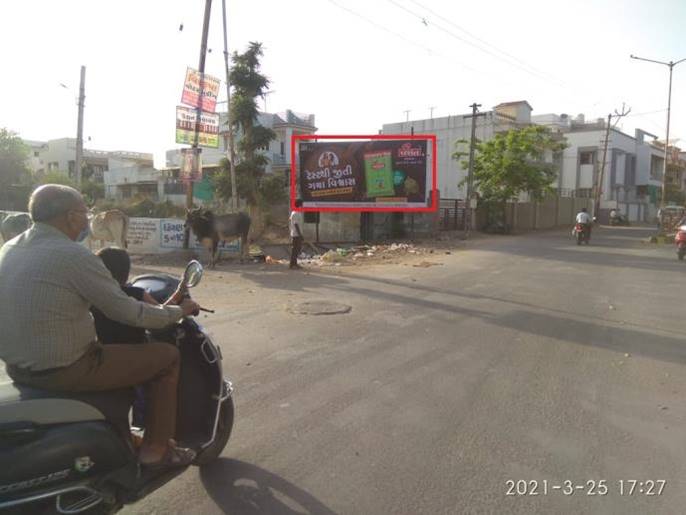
{"x": 186, "y": 122}
{"x": 196, "y": 81}
{"x": 376, "y": 174}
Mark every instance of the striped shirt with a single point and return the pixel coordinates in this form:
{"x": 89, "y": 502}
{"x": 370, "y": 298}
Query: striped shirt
{"x": 47, "y": 285}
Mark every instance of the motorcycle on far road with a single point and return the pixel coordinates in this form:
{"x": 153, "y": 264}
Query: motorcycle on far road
{"x": 73, "y": 453}
{"x": 680, "y": 241}
{"x": 582, "y": 233}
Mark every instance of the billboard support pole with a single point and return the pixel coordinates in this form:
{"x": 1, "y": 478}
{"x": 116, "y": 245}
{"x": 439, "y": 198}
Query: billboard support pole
{"x": 196, "y": 150}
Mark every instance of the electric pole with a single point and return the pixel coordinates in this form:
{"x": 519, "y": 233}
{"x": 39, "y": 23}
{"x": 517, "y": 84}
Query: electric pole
{"x": 198, "y": 113}
{"x": 231, "y": 154}
{"x": 431, "y": 110}
{"x": 671, "y": 65}
{"x": 601, "y": 175}
{"x": 468, "y": 218}
{"x": 407, "y": 115}
{"x": 79, "y": 129}
{"x": 265, "y": 99}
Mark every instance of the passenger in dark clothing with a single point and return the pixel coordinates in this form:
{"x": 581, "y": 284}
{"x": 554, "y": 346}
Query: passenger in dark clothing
{"x": 117, "y": 261}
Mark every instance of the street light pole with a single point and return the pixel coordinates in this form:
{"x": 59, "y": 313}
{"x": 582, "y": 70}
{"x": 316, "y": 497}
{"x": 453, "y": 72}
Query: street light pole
{"x": 79, "y": 129}
{"x": 231, "y": 153}
{"x": 671, "y": 65}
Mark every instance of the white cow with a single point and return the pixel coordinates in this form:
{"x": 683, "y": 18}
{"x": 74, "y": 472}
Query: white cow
{"x": 112, "y": 225}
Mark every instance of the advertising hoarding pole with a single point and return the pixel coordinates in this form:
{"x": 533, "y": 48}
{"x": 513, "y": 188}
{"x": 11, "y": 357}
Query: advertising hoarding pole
{"x": 196, "y": 150}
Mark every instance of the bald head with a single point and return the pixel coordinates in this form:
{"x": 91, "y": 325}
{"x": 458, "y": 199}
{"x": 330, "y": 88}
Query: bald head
{"x": 51, "y": 201}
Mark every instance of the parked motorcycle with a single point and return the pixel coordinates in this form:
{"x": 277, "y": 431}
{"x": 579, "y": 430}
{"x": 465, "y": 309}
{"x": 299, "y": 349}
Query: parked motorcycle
{"x": 73, "y": 453}
{"x": 680, "y": 241}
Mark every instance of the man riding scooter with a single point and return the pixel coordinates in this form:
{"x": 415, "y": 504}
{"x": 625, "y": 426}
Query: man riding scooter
{"x": 48, "y": 338}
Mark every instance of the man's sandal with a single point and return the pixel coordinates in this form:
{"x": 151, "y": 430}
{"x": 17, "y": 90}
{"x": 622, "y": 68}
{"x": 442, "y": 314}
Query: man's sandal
{"x": 174, "y": 457}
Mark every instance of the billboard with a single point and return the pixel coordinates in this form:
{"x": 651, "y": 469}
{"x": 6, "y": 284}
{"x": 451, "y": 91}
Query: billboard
{"x": 194, "y": 82}
{"x": 186, "y": 122}
{"x": 382, "y": 173}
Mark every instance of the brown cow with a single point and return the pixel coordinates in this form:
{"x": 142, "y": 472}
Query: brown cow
{"x": 112, "y": 225}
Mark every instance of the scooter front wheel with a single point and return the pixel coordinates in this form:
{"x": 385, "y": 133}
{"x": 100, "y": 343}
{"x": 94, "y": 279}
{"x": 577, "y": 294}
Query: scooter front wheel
{"x": 680, "y": 254}
{"x": 224, "y": 427}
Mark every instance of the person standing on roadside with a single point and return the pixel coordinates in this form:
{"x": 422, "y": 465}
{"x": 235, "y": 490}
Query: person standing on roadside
{"x": 295, "y": 221}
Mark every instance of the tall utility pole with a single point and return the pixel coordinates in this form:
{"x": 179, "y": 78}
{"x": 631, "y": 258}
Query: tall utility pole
{"x": 671, "y": 65}
{"x": 431, "y": 110}
{"x": 231, "y": 154}
{"x": 79, "y": 129}
{"x": 601, "y": 175}
{"x": 468, "y": 218}
{"x": 407, "y": 115}
{"x": 198, "y": 111}
{"x": 265, "y": 99}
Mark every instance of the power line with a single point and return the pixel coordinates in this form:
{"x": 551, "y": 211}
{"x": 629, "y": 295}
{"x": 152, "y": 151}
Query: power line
{"x": 470, "y": 43}
{"x": 647, "y": 112}
{"x": 465, "y": 31}
{"x": 536, "y": 73}
{"x": 398, "y": 35}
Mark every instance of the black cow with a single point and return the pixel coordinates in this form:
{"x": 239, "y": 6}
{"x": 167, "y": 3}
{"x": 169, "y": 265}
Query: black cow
{"x": 210, "y": 229}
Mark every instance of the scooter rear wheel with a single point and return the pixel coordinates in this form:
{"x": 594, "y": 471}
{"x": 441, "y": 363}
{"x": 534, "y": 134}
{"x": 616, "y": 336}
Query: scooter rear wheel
{"x": 224, "y": 427}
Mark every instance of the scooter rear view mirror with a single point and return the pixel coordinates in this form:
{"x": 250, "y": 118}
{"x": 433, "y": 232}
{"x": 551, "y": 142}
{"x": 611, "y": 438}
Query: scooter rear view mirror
{"x": 192, "y": 274}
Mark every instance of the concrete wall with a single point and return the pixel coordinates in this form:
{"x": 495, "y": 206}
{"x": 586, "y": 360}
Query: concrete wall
{"x": 334, "y": 227}
{"x": 546, "y": 213}
{"x": 551, "y": 212}
{"x": 161, "y": 235}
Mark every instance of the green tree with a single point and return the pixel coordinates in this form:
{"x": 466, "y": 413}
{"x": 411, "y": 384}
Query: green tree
{"x": 15, "y": 176}
{"x": 512, "y": 163}
{"x": 249, "y": 85}
{"x": 92, "y": 191}
{"x": 57, "y": 177}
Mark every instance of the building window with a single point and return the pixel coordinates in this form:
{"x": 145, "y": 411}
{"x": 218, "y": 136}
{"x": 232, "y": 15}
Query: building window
{"x": 587, "y": 158}
{"x": 283, "y": 148}
{"x": 656, "y": 165}
{"x": 36, "y": 154}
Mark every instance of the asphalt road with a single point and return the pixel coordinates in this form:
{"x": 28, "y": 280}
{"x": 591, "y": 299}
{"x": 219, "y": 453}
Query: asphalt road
{"x": 518, "y": 359}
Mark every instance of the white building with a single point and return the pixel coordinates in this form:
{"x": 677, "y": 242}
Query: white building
{"x": 450, "y": 129}
{"x": 59, "y": 155}
{"x": 279, "y": 151}
{"x": 129, "y": 181}
{"x": 633, "y": 167}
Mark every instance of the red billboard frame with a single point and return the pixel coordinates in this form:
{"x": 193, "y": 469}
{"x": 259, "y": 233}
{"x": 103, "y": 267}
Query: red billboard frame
{"x": 314, "y": 137}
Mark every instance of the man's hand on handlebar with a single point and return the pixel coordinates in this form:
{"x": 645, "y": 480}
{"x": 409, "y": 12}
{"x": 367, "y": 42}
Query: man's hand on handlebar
{"x": 189, "y": 307}
{"x": 177, "y": 296}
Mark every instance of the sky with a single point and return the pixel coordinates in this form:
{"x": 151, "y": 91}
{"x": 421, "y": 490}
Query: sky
{"x": 354, "y": 64}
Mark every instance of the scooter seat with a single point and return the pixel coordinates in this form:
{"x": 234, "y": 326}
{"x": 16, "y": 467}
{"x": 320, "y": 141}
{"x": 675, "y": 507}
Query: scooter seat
{"x": 19, "y": 403}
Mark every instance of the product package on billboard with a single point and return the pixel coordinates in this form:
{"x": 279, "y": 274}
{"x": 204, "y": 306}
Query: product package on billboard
{"x": 364, "y": 173}
{"x": 379, "y": 174}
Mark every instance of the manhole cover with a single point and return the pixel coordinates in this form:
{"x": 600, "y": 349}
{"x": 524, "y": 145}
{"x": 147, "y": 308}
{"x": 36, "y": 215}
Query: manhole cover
{"x": 319, "y": 308}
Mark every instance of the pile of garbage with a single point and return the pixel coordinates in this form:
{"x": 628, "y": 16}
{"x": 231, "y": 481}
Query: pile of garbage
{"x": 342, "y": 256}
